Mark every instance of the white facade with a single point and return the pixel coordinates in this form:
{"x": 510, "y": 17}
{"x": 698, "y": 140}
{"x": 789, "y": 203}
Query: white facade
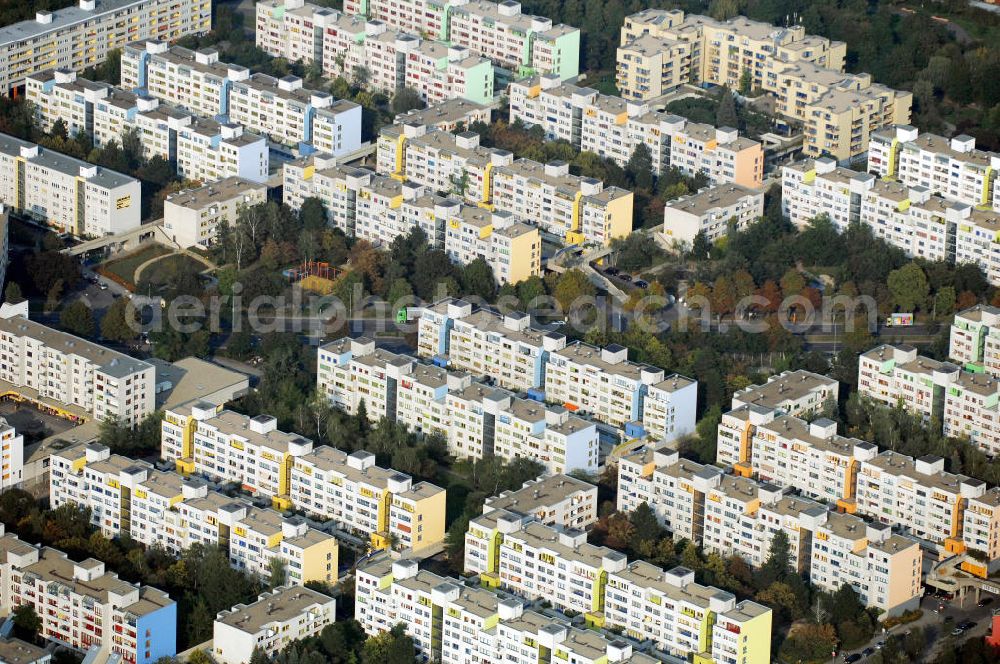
{"x": 713, "y": 212}
{"x": 67, "y": 194}
{"x": 272, "y": 622}
{"x": 192, "y": 217}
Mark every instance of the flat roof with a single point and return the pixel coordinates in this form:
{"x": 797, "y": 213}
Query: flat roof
{"x": 283, "y": 605}
{"x": 65, "y": 164}
{"x": 16, "y": 651}
{"x": 214, "y": 192}
{"x": 544, "y": 492}
{"x": 714, "y": 198}
{"x": 62, "y": 18}
{"x": 192, "y": 378}
{"x": 788, "y": 386}
{"x": 235, "y": 424}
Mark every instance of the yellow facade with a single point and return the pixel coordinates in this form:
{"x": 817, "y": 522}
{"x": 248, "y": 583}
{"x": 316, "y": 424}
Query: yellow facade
{"x": 319, "y": 562}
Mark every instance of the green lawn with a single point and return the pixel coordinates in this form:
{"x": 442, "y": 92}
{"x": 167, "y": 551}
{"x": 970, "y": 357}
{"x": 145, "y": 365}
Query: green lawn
{"x": 163, "y": 273}
{"x": 125, "y": 266}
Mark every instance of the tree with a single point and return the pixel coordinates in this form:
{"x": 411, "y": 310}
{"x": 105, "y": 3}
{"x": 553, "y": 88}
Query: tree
{"x": 640, "y": 167}
{"x": 909, "y": 287}
{"x": 77, "y": 318}
{"x": 258, "y": 656}
{"x": 312, "y": 214}
{"x": 721, "y": 10}
{"x": 12, "y": 293}
{"x": 807, "y": 643}
{"x": 572, "y": 285}
{"x": 647, "y": 528}
{"x": 59, "y": 129}
{"x": 120, "y": 322}
{"x": 725, "y": 114}
{"x": 405, "y": 100}
{"x": 478, "y": 280}
{"x": 778, "y": 561}
{"x": 707, "y": 429}
{"x": 392, "y": 647}
{"x": 278, "y": 574}
{"x": 26, "y": 622}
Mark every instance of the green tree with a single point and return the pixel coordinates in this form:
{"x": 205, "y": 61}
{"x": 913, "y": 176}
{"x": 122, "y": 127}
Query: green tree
{"x": 392, "y": 647}
{"x": 26, "y": 622}
{"x": 647, "y": 528}
{"x": 277, "y": 573}
{"x": 120, "y": 322}
{"x": 312, "y": 214}
{"x": 405, "y": 100}
{"x": 571, "y": 286}
{"x": 78, "y": 318}
{"x": 778, "y": 561}
{"x": 12, "y": 293}
{"x": 909, "y": 287}
{"x": 258, "y": 656}
{"x": 478, "y": 280}
{"x": 725, "y": 114}
{"x": 640, "y": 167}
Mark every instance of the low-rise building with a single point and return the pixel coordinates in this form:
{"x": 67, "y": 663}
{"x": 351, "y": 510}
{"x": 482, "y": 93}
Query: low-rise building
{"x": 713, "y": 212}
{"x": 64, "y": 193}
{"x": 276, "y": 619}
{"x": 448, "y": 115}
{"x": 191, "y": 217}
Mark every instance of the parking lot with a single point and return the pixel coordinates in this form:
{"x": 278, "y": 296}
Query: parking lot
{"x": 32, "y": 423}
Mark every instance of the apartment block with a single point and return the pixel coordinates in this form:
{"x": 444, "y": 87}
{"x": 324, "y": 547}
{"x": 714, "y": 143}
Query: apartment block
{"x": 379, "y": 209}
{"x": 981, "y": 531}
{"x": 513, "y": 41}
{"x": 603, "y": 383}
{"x": 193, "y": 80}
{"x": 156, "y": 124}
{"x": 714, "y": 213}
{"x": 951, "y": 168}
{"x": 555, "y": 500}
{"x": 70, "y": 370}
{"x": 208, "y": 151}
{"x": 721, "y": 52}
{"x": 276, "y": 619}
{"x": 574, "y": 209}
{"x": 839, "y": 112}
{"x": 537, "y": 561}
{"x": 882, "y": 568}
{"x": 130, "y": 498}
{"x": 966, "y": 404}
{"x": 449, "y": 115}
{"x": 198, "y": 82}
{"x": 476, "y": 420}
{"x": 802, "y": 73}
{"x": 916, "y": 495}
{"x": 82, "y": 35}
{"x": 59, "y": 95}
{"x": 796, "y": 393}
{"x": 682, "y": 617}
{"x": 738, "y": 515}
{"x": 383, "y": 504}
{"x": 454, "y": 623}
{"x": 64, "y": 193}
{"x": 231, "y": 447}
{"x": 975, "y": 339}
{"x": 192, "y": 217}
{"x": 613, "y": 127}
{"x": 12, "y": 456}
{"x": 289, "y": 114}
{"x": 922, "y": 224}
{"x": 649, "y": 66}
{"x": 82, "y": 605}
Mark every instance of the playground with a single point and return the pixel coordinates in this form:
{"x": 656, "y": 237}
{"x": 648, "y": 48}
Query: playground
{"x": 314, "y": 276}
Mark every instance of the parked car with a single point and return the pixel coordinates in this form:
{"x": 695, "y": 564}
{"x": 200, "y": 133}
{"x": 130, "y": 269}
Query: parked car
{"x": 986, "y": 601}
{"x": 850, "y": 659}
{"x": 868, "y": 652}
{"x": 958, "y": 631}
{"x": 611, "y": 271}
{"x": 966, "y": 625}
{"x": 625, "y": 277}
{"x": 641, "y": 283}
